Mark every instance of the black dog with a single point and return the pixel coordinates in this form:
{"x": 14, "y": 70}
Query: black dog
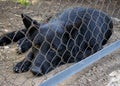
{"x": 70, "y": 37}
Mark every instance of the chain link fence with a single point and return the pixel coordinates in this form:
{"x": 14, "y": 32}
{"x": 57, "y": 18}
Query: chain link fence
{"x": 44, "y": 37}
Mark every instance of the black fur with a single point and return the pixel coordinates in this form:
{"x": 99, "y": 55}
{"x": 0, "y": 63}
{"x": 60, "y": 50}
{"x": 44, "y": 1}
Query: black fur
{"x": 70, "y": 37}
{"x": 19, "y": 36}
{"x": 12, "y": 37}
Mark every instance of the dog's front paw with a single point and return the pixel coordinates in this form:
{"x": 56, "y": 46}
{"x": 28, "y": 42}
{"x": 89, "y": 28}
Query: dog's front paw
{"x": 23, "y": 46}
{"x": 22, "y": 67}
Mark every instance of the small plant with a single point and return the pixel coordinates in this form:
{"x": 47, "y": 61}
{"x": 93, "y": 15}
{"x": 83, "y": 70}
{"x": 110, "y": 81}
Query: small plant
{"x": 24, "y": 2}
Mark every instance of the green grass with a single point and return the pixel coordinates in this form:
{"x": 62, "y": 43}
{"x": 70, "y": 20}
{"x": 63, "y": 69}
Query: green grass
{"x": 24, "y": 2}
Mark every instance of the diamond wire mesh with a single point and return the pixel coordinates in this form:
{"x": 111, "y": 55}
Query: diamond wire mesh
{"x": 68, "y": 37}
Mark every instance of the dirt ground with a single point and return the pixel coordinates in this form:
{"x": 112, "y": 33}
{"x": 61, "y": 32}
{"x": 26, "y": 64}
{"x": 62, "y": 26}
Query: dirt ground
{"x": 105, "y": 72}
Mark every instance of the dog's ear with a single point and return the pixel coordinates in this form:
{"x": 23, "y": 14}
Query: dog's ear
{"x": 27, "y": 21}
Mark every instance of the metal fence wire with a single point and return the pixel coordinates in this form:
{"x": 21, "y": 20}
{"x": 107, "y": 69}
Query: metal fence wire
{"x": 39, "y": 38}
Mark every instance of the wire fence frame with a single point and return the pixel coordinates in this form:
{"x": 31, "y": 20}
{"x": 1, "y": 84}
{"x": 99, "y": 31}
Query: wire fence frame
{"x": 47, "y": 76}
{"x": 56, "y": 79}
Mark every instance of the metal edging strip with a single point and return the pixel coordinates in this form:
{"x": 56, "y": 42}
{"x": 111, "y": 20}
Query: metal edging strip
{"x": 77, "y": 67}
